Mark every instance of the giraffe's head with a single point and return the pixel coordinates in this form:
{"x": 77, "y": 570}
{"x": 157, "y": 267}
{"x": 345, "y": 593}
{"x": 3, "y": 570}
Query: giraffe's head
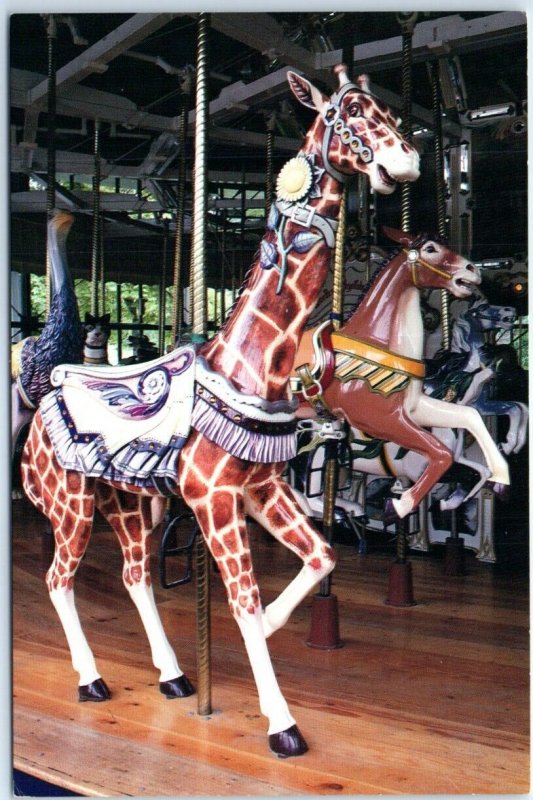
{"x": 360, "y": 133}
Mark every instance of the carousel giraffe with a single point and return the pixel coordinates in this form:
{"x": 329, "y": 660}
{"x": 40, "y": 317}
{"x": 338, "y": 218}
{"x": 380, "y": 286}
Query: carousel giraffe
{"x": 243, "y": 423}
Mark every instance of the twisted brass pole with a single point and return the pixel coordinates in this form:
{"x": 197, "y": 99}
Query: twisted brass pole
{"x": 269, "y": 187}
{"x": 407, "y": 52}
{"x": 95, "y": 251}
{"x": 332, "y": 465}
{"x": 177, "y": 300}
{"x": 440, "y": 190}
{"x": 199, "y": 326}
{"x": 51, "y": 34}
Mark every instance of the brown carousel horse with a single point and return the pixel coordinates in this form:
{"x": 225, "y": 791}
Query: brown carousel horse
{"x": 370, "y": 372}
{"x": 85, "y": 451}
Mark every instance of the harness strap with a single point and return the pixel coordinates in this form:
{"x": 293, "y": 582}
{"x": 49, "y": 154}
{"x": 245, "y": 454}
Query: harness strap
{"x": 308, "y": 217}
{"x": 371, "y": 352}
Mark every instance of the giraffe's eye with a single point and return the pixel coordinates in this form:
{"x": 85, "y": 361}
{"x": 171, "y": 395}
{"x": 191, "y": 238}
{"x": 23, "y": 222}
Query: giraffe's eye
{"x": 354, "y": 110}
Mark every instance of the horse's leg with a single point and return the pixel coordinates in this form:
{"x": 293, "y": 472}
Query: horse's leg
{"x": 515, "y": 438}
{"x": 272, "y": 503}
{"x": 212, "y": 483}
{"x": 131, "y": 517}
{"x": 431, "y": 412}
{"x": 67, "y": 499}
{"x": 456, "y": 443}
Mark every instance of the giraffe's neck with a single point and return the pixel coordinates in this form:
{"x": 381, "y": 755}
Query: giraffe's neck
{"x": 257, "y": 346}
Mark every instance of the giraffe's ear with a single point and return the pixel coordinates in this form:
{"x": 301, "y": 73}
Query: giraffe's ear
{"x": 401, "y": 237}
{"x": 305, "y": 92}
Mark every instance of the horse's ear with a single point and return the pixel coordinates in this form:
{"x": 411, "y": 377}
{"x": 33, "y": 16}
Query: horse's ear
{"x": 401, "y": 237}
{"x": 89, "y": 317}
{"x": 106, "y": 319}
{"x": 305, "y": 92}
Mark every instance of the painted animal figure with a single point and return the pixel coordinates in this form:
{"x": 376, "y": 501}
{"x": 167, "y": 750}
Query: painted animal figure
{"x": 243, "y": 422}
{"x": 371, "y": 372}
{"x": 60, "y": 341}
{"x": 472, "y": 363}
{"x": 96, "y": 336}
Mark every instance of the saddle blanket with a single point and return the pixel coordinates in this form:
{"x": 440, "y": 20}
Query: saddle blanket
{"x": 123, "y": 423}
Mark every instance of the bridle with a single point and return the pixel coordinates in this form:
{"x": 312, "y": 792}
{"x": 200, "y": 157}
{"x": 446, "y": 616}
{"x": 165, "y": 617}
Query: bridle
{"x": 414, "y": 259}
{"x": 335, "y": 124}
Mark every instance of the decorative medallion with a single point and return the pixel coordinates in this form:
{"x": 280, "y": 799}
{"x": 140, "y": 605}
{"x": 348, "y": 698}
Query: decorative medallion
{"x": 294, "y": 180}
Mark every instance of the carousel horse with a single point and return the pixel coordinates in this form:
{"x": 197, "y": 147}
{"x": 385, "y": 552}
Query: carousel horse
{"x": 116, "y": 438}
{"x": 468, "y": 373}
{"x": 370, "y": 372}
{"x": 60, "y": 341}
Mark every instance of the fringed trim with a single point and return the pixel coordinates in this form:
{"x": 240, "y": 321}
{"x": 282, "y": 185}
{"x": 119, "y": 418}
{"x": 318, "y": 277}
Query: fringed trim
{"x": 239, "y": 441}
{"x": 140, "y": 462}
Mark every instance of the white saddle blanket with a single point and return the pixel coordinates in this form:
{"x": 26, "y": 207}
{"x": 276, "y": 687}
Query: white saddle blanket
{"x": 124, "y": 423}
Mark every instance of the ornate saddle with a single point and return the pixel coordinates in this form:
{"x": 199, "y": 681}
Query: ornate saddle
{"x": 124, "y": 423}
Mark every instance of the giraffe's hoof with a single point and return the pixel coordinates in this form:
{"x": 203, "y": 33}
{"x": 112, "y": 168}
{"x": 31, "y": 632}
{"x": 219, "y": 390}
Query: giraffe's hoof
{"x": 96, "y": 692}
{"x": 288, "y": 743}
{"x": 177, "y": 687}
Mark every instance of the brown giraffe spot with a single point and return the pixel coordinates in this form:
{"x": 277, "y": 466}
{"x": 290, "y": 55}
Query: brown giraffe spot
{"x": 230, "y": 541}
{"x": 216, "y": 549}
{"x": 137, "y": 553}
{"x": 41, "y": 462}
{"x": 245, "y": 582}
{"x": 246, "y": 562}
{"x": 132, "y": 524}
{"x": 202, "y": 518}
{"x": 223, "y": 510}
{"x": 299, "y": 540}
{"x": 73, "y": 482}
{"x": 136, "y": 573}
{"x": 388, "y": 142}
{"x": 87, "y": 507}
{"x": 315, "y": 563}
{"x": 128, "y": 501}
{"x": 232, "y": 566}
{"x": 233, "y": 590}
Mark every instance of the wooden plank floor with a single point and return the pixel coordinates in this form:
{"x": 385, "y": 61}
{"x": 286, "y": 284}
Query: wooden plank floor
{"x": 431, "y": 699}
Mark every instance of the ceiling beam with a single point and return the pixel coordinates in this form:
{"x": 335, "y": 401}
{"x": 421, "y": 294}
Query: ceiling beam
{"x": 435, "y": 37}
{"x": 263, "y": 33}
{"x": 127, "y": 35}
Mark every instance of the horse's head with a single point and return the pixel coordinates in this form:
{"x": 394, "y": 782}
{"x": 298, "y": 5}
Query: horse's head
{"x": 359, "y": 133}
{"x": 434, "y": 266}
{"x": 491, "y": 317}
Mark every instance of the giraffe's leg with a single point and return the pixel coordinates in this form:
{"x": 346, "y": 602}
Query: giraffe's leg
{"x": 131, "y": 517}
{"x": 272, "y": 502}
{"x": 213, "y": 485}
{"x": 67, "y": 499}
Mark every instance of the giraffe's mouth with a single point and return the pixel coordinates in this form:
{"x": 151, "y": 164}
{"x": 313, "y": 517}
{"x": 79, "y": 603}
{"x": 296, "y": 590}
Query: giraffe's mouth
{"x": 385, "y": 177}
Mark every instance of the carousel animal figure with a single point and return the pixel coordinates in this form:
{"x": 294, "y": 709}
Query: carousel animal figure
{"x": 370, "y": 372}
{"x": 60, "y": 341}
{"x": 84, "y": 450}
{"x": 96, "y": 336}
{"x": 469, "y": 371}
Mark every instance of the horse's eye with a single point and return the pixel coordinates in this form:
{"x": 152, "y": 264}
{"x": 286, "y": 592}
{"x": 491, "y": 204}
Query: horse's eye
{"x": 430, "y": 248}
{"x": 354, "y": 109}
{"x": 89, "y": 328}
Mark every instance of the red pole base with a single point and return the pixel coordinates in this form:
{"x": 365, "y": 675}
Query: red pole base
{"x": 454, "y": 556}
{"x": 324, "y": 633}
{"x": 400, "y": 585}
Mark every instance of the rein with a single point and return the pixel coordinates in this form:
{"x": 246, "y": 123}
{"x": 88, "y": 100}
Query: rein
{"x": 415, "y": 260}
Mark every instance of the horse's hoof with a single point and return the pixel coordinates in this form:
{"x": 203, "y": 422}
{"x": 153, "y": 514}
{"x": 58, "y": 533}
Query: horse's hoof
{"x": 177, "y": 687}
{"x": 390, "y": 514}
{"x": 288, "y": 743}
{"x": 95, "y": 692}
{"x": 501, "y": 490}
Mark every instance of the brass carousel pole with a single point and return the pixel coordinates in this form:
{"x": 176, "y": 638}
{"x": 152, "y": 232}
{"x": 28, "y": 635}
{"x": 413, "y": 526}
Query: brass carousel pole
{"x": 454, "y": 559}
{"x": 324, "y": 632}
{"x": 96, "y": 238}
{"x": 400, "y": 590}
{"x": 177, "y": 288}
{"x": 51, "y": 35}
{"x": 199, "y": 327}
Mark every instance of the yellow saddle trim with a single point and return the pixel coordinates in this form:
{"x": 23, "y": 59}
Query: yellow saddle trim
{"x": 377, "y": 355}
